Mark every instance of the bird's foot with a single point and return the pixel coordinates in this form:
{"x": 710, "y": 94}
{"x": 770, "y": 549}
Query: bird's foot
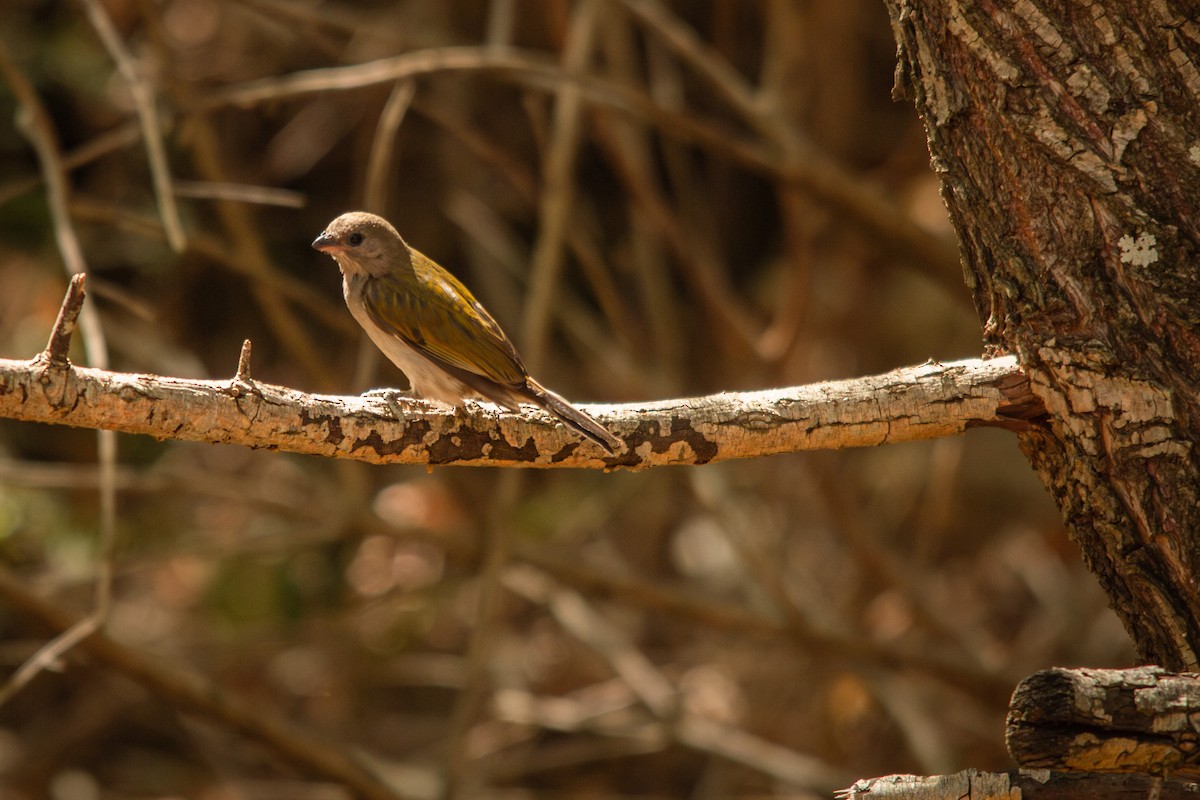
{"x": 391, "y": 397}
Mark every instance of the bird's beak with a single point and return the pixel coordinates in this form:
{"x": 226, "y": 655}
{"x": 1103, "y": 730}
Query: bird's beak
{"x": 327, "y": 244}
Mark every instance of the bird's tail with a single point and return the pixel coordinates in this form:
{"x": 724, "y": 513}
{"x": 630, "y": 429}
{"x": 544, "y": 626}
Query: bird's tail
{"x": 574, "y": 418}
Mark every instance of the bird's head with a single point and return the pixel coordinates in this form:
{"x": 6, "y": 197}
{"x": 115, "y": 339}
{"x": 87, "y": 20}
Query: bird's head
{"x": 362, "y": 242}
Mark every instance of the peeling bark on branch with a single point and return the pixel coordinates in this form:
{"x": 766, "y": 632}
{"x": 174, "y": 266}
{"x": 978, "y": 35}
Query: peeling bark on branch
{"x": 1081, "y": 733}
{"x": 925, "y": 402}
{"x": 1027, "y": 784}
{"x": 1138, "y": 720}
{"x": 1066, "y": 138}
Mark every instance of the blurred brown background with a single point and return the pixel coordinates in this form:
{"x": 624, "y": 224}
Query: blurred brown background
{"x": 741, "y": 206}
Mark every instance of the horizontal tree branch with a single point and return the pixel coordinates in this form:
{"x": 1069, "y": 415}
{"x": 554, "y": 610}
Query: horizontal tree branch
{"x": 1080, "y": 733}
{"x": 1139, "y": 720}
{"x": 924, "y": 402}
{"x": 1029, "y": 784}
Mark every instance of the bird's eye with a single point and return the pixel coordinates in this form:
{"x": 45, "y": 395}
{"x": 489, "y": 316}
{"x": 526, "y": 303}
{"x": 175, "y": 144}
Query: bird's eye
{"x": 354, "y": 239}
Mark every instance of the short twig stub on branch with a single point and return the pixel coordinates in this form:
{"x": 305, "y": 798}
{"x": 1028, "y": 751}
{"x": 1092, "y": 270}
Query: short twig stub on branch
{"x": 64, "y": 326}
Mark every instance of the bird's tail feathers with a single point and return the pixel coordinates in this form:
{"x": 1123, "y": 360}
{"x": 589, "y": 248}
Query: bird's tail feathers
{"x": 574, "y": 418}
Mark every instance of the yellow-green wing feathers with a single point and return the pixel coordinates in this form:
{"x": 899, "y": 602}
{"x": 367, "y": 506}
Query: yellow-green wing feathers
{"x": 437, "y": 316}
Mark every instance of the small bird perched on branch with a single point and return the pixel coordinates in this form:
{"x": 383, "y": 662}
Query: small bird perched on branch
{"x": 432, "y": 328}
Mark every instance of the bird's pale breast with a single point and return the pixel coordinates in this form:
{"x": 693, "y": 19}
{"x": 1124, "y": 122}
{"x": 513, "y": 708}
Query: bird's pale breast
{"x": 427, "y": 380}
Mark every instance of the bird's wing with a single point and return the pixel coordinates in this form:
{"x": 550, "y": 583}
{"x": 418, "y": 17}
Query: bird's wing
{"x": 439, "y": 318}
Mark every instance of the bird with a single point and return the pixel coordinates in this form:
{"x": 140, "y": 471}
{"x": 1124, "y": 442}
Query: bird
{"x": 431, "y": 326}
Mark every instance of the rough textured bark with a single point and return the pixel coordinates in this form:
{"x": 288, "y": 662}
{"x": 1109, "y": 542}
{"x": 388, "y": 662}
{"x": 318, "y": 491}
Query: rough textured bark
{"x": 925, "y": 402}
{"x": 1026, "y": 783}
{"x": 1066, "y": 137}
{"x": 1138, "y": 720}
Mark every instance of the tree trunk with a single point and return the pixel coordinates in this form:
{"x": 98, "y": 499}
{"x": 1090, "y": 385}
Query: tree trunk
{"x": 1067, "y": 135}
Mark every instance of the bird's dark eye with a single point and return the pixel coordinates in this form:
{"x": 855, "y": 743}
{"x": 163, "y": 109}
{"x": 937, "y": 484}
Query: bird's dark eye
{"x": 354, "y": 239}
